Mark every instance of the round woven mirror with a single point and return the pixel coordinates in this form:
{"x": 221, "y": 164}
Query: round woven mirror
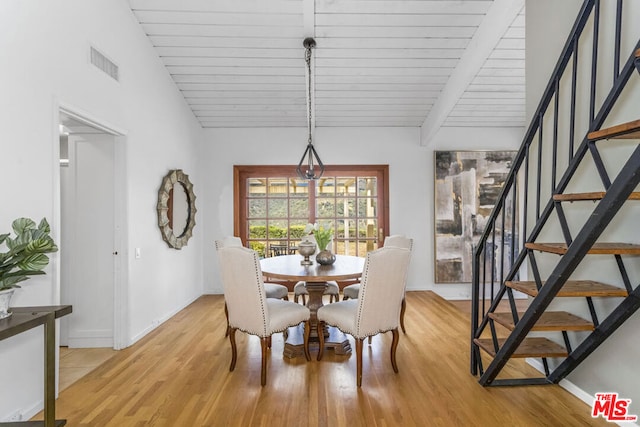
{"x": 176, "y": 209}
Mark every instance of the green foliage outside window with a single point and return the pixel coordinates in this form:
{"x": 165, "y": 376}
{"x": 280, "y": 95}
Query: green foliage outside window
{"x": 296, "y": 232}
{"x": 275, "y": 232}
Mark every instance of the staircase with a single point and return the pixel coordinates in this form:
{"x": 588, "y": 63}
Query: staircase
{"x": 561, "y": 339}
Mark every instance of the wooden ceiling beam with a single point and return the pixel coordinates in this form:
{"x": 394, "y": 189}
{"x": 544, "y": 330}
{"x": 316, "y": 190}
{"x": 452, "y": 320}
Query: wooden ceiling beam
{"x": 496, "y": 23}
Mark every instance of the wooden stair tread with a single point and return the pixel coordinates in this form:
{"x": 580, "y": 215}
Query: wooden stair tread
{"x": 529, "y": 347}
{"x": 572, "y": 288}
{"x": 596, "y": 249}
{"x": 597, "y": 195}
{"x": 630, "y": 130}
{"x": 549, "y": 321}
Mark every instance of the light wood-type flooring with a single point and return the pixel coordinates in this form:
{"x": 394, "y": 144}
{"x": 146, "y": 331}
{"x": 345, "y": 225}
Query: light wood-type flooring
{"x": 178, "y": 375}
{"x": 75, "y": 363}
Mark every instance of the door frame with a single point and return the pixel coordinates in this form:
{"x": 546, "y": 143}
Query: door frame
{"x": 120, "y": 273}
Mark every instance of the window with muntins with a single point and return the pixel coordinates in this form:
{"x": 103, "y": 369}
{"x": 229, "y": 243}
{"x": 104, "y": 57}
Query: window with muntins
{"x": 273, "y": 206}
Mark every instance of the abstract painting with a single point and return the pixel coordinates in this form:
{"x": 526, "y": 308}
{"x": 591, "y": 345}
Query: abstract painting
{"x": 467, "y": 185}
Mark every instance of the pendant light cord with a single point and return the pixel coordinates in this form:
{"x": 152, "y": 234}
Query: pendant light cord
{"x": 314, "y": 168}
{"x": 307, "y": 58}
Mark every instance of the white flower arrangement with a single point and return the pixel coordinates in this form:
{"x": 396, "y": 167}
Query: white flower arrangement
{"x": 323, "y": 236}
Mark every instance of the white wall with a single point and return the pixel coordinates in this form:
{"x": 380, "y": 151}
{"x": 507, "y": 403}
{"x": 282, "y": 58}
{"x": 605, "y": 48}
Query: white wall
{"x": 612, "y": 366}
{"x": 410, "y": 179}
{"x": 44, "y": 52}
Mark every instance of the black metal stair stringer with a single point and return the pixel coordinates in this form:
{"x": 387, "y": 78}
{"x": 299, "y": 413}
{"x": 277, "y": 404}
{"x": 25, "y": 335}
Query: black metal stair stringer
{"x": 622, "y": 79}
{"x": 616, "y": 196}
{"x": 632, "y": 63}
{"x": 626, "y": 309}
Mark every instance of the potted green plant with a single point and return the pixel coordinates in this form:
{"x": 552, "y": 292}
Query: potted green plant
{"x": 25, "y": 256}
{"x": 323, "y": 236}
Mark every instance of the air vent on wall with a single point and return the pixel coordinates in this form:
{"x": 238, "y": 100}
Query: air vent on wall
{"x": 103, "y": 63}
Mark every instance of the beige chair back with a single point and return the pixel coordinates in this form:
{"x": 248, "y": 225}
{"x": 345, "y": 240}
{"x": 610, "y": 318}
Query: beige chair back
{"x": 229, "y": 241}
{"x": 381, "y": 290}
{"x": 244, "y": 291}
{"x": 398, "y": 241}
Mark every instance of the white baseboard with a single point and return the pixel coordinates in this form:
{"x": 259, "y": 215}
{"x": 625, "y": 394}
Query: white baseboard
{"x": 155, "y": 323}
{"x": 89, "y": 342}
{"x": 90, "y": 338}
{"x": 27, "y": 414}
{"x": 574, "y": 390}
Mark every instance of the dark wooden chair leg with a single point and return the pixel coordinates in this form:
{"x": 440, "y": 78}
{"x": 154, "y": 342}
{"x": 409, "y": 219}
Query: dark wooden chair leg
{"x": 359, "y": 361}
{"x": 320, "y": 339}
{"x": 269, "y": 342}
{"x": 226, "y": 315}
{"x": 403, "y": 307}
{"x": 394, "y": 346}
{"x": 307, "y": 332}
{"x": 263, "y": 374}
{"x": 234, "y": 350}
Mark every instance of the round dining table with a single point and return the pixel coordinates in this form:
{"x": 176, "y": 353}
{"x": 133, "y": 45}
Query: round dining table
{"x": 315, "y": 276}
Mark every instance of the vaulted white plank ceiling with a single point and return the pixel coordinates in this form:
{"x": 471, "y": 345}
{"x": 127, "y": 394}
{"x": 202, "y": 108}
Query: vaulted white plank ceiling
{"x": 240, "y": 63}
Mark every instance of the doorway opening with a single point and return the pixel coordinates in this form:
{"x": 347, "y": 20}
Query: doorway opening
{"x": 90, "y": 219}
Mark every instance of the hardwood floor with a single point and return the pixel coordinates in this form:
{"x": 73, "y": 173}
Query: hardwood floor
{"x": 179, "y": 375}
{"x": 75, "y": 363}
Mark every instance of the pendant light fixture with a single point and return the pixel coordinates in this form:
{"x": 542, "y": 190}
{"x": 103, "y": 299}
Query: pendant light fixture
{"x": 310, "y": 166}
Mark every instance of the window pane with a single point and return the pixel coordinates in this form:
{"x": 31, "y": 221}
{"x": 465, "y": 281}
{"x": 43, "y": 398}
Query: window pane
{"x": 326, "y": 187}
{"x": 367, "y": 186}
{"x": 367, "y": 208}
{"x": 257, "y": 229}
{"x": 345, "y": 207}
{"x": 296, "y": 228}
{"x": 325, "y": 208}
{"x": 278, "y": 208}
{"x": 277, "y": 187}
{"x": 257, "y": 208}
{"x": 256, "y": 187}
{"x": 354, "y": 248}
{"x": 278, "y": 230}
{"x": 346, "y": 229}
{"x": 278, "y": 205}
{"x": 298, "y": 187}
{"x": 367, "y": 228}
{"x": 299, "y": 208}
{"x": 346, "y": 186}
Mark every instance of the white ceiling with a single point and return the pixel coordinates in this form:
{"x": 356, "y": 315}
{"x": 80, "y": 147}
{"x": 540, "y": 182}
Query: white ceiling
{"x": 240, "y": 63}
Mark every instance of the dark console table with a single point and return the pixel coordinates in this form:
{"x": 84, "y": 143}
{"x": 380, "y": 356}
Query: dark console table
{"x": 23, "y": 319}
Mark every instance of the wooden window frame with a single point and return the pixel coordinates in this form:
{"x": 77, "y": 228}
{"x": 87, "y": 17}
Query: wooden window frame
{"x": 242, "y": 172}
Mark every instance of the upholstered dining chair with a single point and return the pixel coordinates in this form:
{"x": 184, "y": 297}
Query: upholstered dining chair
{"x": 395, "y": 240}
{"x": 272, "y": 290}
{"x": 249, "y": 308}
{"x": 378, "y": 307}
{"x": 300, "y": 290}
